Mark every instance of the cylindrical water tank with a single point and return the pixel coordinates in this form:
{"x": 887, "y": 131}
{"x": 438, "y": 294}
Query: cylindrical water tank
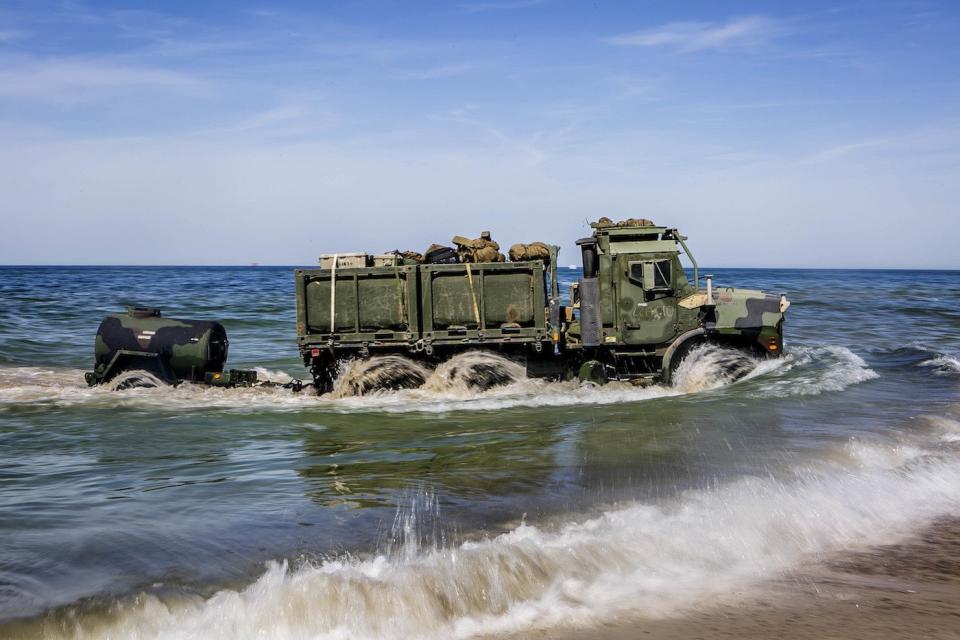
{"x": 182, "y": 349}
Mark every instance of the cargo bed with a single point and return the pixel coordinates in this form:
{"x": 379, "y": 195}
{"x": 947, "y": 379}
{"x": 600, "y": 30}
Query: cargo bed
{"x": 370, "y": 306}
{"x": 483, "y": 302}
{"x": 418, "y": 306}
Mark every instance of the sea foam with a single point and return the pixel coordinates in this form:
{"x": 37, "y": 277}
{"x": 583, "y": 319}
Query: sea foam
{"x": 655, "y": 558}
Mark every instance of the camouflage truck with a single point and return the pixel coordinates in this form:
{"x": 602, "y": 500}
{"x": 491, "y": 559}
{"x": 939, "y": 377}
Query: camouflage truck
{"x": 634, "y": 315}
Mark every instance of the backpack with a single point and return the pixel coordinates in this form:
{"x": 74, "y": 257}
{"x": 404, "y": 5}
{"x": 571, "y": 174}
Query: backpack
{"x": 439, "y": 254}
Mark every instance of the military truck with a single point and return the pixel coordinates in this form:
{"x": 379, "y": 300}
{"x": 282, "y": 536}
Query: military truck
{"x": 633, "y": 315}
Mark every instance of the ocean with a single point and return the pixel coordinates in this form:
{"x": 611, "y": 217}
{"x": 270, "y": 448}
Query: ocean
{"x": 242, "y": 513}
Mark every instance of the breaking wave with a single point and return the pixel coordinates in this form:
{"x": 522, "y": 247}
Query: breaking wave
{"x": 943, "y": 365}
{"x": 948, "y": 429}
{"x": 656, "y": 557}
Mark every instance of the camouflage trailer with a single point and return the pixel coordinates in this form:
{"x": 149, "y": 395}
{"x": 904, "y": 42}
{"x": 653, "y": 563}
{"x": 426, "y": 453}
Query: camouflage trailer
{"x": 634, "y": 314}
{"x": 141, "y": 348}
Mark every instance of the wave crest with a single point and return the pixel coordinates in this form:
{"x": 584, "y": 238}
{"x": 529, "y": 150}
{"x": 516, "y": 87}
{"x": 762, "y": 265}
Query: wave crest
{"x": 658, "y": 557}
{"x": 943, "y": 365}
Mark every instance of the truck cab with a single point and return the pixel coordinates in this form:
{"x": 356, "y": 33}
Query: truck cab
{"x": 639, "y": 313}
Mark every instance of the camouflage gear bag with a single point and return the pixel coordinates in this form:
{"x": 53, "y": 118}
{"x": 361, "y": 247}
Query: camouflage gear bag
{"x": 481, "y": 249}
{"x": 533, "y": 251}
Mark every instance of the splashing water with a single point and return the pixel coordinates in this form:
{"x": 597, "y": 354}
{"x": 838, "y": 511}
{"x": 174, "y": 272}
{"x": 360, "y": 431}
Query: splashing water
{"x": 381, "y": 373}
{"x": 464, "y": 373}
{"x": 804, "y": 371}
{"x": 810, "y": 371}
{"x": 280, "y": 377}
{"x": 135, "y": 379}
{"x": 474, "y": 371}
{"x": 709, "y": 366}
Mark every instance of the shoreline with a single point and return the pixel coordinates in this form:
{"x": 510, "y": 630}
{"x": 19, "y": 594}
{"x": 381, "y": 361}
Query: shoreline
{"x": 909, "y": 589}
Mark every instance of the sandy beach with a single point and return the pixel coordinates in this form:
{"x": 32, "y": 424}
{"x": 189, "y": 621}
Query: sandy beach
{"x": 905, "y": 590}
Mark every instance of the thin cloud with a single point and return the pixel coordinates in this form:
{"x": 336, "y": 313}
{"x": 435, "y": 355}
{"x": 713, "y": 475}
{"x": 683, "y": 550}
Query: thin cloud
{"x": 71, "y": 79}
{"x": 285, "y": 122}
{"x": 689, "y": 37}
{"x": 440, "y": 72}
{"x": 506, "y": 5}
{"x": 638, "y": 87}
{"x": 941, "y": 138}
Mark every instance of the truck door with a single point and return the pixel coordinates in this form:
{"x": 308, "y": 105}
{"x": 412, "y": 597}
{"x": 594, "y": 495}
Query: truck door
{"x": 647, "y": 304}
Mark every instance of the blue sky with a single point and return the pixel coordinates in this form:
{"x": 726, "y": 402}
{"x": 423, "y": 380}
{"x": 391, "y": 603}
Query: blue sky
{"x": 773, "y": 134}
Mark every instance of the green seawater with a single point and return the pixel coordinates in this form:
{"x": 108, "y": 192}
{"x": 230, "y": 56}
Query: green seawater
{"x": 195, "y": 512}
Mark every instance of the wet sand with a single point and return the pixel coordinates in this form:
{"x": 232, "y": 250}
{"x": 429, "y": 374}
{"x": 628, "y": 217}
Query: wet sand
{"x": 905, "y": 590}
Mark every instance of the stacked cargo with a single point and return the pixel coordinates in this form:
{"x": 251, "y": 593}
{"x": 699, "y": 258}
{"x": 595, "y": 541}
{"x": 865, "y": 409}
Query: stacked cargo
{"x": 357, "y": 305}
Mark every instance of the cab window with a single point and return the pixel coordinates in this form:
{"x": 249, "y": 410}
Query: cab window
{"x": 652, "y": 275}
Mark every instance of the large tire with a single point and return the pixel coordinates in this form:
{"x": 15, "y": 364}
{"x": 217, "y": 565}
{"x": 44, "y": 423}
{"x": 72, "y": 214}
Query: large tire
{"x": 475, "y": 371}
{"x": 135, "y": 379}
{"x": 716, "y": 362}
{"x": 677, "y": 351}
{"x": 381, "y": 373}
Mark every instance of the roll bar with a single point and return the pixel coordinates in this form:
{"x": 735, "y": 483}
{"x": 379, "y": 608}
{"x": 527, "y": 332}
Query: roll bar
{"x": 693, "y": 261}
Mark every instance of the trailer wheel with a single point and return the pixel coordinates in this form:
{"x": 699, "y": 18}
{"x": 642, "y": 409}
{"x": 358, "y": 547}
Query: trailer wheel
{"x": 136, "y": 379}
{"x": 593, "y": 372}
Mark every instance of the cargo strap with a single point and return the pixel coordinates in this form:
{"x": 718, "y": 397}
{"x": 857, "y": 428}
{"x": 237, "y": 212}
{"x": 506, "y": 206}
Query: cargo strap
{"x": 400, "y": 296}
{"x": 333, "y": 293}
{"x": 473, "y": 295}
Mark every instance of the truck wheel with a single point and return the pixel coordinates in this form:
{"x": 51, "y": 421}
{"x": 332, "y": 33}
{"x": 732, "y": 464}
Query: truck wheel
{"x": 475, "y": 371}
{"x": 381, "y": 373}
{"x": 677, "y": 351}
{"x": 718, "y": 363}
